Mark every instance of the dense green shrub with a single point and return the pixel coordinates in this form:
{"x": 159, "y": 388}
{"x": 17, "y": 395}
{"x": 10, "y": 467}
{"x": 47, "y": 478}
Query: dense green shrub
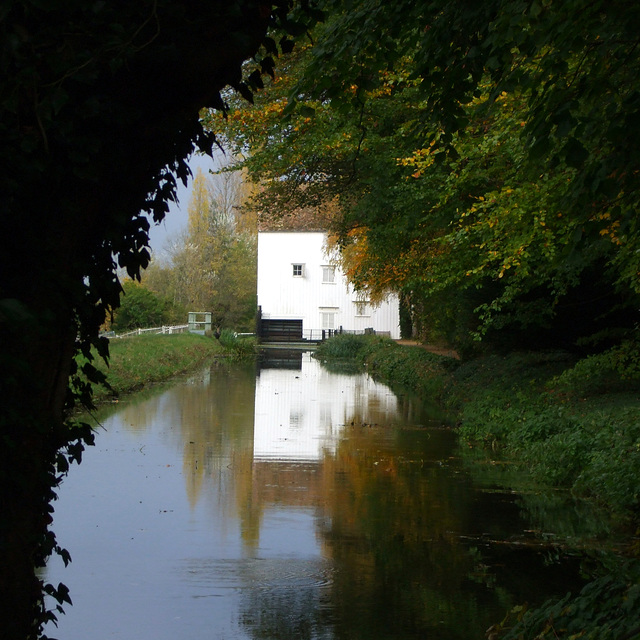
{"x": 607, "y": 608}
{"x": 348, "y": 345}
{"x": 617, "y": 369}
{"x": 411, "y": 367}
{"x": 141, "y": 308}
{"x": 240, "y": 346}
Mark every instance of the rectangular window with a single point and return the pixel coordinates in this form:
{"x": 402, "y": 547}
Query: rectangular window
{"x": 362, "y": 308}
{"x": 328, "y": 319}
{"x": 328, "y": 275}
{"x": 298, "y": 270}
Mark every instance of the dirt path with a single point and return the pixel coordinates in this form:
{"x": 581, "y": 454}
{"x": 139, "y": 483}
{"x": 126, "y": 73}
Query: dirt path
{"x": 440, "y": 351}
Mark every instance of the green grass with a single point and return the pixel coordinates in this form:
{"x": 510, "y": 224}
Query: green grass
{"x": 138, "y": 362}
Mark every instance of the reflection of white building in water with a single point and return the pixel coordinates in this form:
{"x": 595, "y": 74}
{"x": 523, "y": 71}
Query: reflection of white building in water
{"x": 300, "y": 413}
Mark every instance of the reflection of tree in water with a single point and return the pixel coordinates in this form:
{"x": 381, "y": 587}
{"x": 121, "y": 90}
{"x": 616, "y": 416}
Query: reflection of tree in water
{"x": 139, "y": 413}
{"x": 393, "y": 526}
{"x": 404, "y": 534}
{"x": 388, "y": 523}
{"x": 403, "y": 553}
{"x": 214, "y": 427}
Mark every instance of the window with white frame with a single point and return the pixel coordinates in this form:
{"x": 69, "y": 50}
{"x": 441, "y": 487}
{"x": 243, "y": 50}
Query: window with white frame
{"x": 328, "y": 274}
{"x": 328, "y": 318}
{"x": 362, "y": 308}
{"x": 298, "y": 270}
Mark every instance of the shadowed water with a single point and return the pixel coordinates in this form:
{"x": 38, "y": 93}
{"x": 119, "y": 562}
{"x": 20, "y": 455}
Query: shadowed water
{"x": 283, "y": 501}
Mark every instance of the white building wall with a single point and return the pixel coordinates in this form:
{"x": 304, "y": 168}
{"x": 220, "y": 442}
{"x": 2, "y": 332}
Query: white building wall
{"x": 283, "y": 295}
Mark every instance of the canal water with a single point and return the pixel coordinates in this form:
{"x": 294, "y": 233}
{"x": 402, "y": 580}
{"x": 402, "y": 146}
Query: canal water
{"x": 284, "y": 501}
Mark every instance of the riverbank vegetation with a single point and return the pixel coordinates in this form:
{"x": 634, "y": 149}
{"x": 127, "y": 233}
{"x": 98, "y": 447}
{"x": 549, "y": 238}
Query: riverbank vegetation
{"x": 141, "y": 361}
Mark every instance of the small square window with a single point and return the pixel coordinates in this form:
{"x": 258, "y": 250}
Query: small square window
{"x": 298, "y": 270}
{"x": 328, "y": 275}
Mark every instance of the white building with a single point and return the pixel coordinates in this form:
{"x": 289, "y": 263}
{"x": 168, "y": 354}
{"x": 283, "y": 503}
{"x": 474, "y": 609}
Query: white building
{"x": 302, "y": 291}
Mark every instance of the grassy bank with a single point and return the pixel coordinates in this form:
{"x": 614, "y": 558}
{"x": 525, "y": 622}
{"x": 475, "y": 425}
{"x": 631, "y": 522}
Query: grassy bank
{"x": 138, "y": 362}
{"x": 575, "y": 424}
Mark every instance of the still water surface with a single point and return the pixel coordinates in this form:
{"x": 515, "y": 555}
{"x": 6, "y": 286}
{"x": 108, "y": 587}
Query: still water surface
{"x": 283, "y": 501}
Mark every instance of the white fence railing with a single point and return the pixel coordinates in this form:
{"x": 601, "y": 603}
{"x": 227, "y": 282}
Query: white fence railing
{"x": 320, "y": 335}
{"x": 180, "y": 328}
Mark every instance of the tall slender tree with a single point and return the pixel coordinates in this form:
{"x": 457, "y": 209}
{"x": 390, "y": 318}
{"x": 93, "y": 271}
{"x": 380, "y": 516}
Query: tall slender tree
{"x": 215, "y": 262}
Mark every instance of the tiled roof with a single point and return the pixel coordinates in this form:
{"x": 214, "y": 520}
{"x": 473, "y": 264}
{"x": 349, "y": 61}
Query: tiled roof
{"x": 300, "y": 219}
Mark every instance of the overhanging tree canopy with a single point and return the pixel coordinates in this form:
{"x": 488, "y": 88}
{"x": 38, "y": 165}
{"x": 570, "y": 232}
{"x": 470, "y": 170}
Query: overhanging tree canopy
{"x": 485, "y": 154}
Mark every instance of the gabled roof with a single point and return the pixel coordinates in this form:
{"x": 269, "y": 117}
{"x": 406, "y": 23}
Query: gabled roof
{"x": 300, "y": 219}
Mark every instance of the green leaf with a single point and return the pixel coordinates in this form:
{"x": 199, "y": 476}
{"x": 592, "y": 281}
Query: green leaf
{"x": 286, "y": 45}
{"x": 270, "y": 45}
{"x": 574, "y": 153}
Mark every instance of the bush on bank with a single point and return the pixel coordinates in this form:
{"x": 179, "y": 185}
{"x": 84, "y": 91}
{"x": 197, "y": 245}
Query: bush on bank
{"x": 605, "y": 609}
{"x": 410, "y": 367}
{"x": 238, "y": 346}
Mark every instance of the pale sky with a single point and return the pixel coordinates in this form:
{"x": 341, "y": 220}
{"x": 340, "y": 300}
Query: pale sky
{"x": 176, "y": 220}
